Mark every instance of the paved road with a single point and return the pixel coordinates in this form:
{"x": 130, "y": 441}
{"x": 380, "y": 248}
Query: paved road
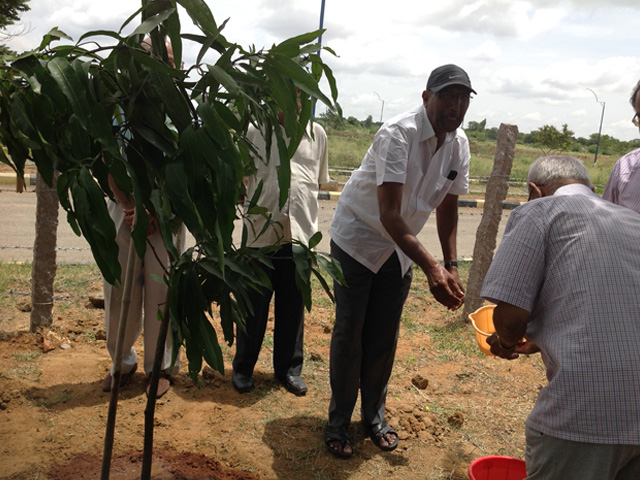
{"x": 18, "y": 231}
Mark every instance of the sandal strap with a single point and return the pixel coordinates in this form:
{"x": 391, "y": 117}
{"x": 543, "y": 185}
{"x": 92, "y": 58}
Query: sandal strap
{"x": 382, "y": 429}
{"x": 336, "y": 433}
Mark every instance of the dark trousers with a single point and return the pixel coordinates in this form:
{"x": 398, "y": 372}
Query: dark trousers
{"x": 364, "y": 339}
{"x": 288, "y": 325}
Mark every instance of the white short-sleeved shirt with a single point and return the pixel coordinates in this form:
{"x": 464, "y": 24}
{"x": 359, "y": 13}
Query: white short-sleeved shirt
{"x": 623, "y": 186}
{"x": 403, "y": 151}
{"x": 573, "y": 261}
{"x": 298, "y": 219}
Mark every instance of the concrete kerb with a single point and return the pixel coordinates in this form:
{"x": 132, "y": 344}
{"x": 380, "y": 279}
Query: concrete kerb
{"x": 10, "y": 179}
{"x": 30, "y": 180}
{"x": 462, "y": 202}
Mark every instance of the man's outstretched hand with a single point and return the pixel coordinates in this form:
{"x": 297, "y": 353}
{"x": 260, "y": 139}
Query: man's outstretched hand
{"x": 446, "y": 288}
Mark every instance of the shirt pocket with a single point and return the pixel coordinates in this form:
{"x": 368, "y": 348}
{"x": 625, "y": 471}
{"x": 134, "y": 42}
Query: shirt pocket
{"x": 440, "y": 190}
{"x": 434, "y": 192}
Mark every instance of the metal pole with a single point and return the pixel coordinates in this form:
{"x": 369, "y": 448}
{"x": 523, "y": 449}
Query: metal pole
{"x": 313, "y": 112}
{"x": 595, "y": 158}
{"x": 382, "y": 109}
{"x": 321, "y": 23}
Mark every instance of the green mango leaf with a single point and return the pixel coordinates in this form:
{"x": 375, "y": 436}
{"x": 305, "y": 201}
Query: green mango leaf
{"x": 224, "y": 79}
{"x": 211, "y": 350}
{"x": 51, "y": 36}
{"x": 315, "y": 240}
{"x": 332, "y": 267}
{"x": 201, "y": 16}
{"x": 72, "y": 87}
{"x": 289, "y": 68}
{"x": 303, "y": 273}
{"x": 303, "y": 39}
{"x": 131, "y": 17}
{"x": 325, "y": 285}
{"x": 151, "y": 23}
{"x": 101, "y": 33}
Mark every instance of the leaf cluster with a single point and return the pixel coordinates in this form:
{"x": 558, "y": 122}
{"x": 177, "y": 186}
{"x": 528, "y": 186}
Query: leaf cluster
{"x": 174, "y": 138}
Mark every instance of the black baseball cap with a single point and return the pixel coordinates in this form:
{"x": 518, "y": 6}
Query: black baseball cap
{"x": 447, "y": 75}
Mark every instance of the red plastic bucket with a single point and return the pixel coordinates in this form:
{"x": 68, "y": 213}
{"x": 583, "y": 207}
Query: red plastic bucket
{"x": 497, "y": 468}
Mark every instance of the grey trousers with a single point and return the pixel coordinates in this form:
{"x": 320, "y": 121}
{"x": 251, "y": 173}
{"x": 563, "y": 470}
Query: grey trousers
{"x": 552, "y": 458}
{"x": 364, "y": 339}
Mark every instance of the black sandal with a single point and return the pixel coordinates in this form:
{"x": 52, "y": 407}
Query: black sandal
{"x": 377, "y": 433}
{"x": 341, "y": 436}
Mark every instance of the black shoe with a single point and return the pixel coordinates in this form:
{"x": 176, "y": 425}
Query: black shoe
{"x": 242, "y": 383}
{"x": 124, "y": 379}
{"x": 294, "y": 383}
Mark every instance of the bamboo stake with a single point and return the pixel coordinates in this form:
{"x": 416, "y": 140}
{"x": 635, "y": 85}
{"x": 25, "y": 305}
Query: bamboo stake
{"x": 149, "y": 412}
{"x": 132, "y": 264}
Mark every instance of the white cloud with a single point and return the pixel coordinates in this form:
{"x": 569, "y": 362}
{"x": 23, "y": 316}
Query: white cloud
{"x": 488, "y": 51}
{"x": 531, "y": 61}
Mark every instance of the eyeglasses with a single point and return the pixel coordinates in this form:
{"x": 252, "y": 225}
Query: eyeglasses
{"x": 452, "y": 98}
{"x": 636, "y": 120}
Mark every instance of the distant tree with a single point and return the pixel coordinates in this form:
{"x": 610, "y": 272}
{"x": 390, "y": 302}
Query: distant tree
{"x": 491, "y": 133}
{"x": 333, "y": 117}
{"x": 368, "y": 122}
{"x": 477, "y": 126}
{"x": 10, "y": 11}
{"x": 552, "y": 140}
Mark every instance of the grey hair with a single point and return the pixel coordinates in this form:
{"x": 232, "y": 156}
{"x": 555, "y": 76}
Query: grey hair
{"x": 634, "y": 95}
{"x": 553, "y": 171}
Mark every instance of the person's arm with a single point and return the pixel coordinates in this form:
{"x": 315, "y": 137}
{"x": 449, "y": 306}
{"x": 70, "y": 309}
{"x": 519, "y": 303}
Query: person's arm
{"x": 447, "y": 224}
{"x": 443, "y": 286}
{"x": 125, "y": 201}
{"x": 128, "y": 206}
{"x": 611, "y": 189}
{"x": 510, "y": 323}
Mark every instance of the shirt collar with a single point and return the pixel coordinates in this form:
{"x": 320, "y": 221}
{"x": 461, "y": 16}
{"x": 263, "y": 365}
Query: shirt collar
{"x": 574, "y": 189}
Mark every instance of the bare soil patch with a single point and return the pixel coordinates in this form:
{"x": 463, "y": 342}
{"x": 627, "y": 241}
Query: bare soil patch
{"x": 449, "y": 403}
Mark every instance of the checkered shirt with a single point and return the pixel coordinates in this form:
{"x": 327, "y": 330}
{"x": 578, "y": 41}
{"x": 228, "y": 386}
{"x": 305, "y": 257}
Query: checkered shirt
{"x": 573, "y": 261}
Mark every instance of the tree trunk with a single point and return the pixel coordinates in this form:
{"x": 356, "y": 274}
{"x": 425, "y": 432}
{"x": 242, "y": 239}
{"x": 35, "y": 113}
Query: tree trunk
{"x": 43, "y": 270}
{"x": 497, "y": 188}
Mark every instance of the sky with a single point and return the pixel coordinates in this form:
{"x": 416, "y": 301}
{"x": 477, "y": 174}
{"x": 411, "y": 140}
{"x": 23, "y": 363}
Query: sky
{"x": 533, "y": 63}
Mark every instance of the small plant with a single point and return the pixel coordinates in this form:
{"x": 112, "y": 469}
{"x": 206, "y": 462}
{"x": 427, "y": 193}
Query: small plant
{"x": 24, "y": 367}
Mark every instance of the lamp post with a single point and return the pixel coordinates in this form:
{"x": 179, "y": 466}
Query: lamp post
{"x": 595, "y": 159}
{"x": 382, "y": 109}
{"x": 313, "y": 110}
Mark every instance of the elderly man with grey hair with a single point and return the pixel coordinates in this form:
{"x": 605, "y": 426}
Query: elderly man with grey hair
{"x": 566, "y": 278}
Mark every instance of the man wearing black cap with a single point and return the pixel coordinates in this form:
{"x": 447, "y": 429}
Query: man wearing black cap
{"x": 418, "y": 162}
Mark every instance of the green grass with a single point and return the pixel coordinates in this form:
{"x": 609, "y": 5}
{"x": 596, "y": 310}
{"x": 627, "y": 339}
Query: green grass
{"x": 347, "y": 148}
{"x": 25, "y": 365}
{"x": 74, "y": 280}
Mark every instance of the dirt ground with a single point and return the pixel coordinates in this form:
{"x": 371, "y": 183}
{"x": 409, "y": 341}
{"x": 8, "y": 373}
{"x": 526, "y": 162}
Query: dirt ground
{"x": 449, "y": 403}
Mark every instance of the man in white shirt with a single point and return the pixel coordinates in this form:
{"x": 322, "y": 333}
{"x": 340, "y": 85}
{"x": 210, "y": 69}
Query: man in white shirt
{"x": 418, "y": 162}
{"x": 297, "y": 220}
{"x": 148, "y": 293}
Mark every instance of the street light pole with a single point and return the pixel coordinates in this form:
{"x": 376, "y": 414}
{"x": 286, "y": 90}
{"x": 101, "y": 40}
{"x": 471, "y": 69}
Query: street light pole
{"x": 313, "y": 110}
{"x": 595, "y": 159}
{"x": 382, "y": 109}
{"x": 321, "y": 23}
